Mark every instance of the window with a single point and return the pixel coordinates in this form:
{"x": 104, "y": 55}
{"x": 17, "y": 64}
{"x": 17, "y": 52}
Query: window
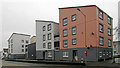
{"x": 115, "y": 46}
{"x": 11, "y": 50}
{"x": 26, "y": 46}
{"x": 22, "y": 46}
{"x": 44, "y": 45}
{"x": 49, "y": 36}
{"x": 65, "y": 33}
{"x": 109, "y": 31}
{"x": 101, "y": 15}
{"x": 49, "y": 54}
{"x": 26, "y": 50}
{"x": 22, "y": 50}
{"x": 109, "y": 20}
{"x": 22, "y": 41}
{"x": 11, "y": 40}
{"x": 64, "y": 21}
{"x": 26, "y": 41}
{"x": 101, "y": 28}
{"x": 73, "y": 17}
{"x": 74, "y": 30}
{"x": 101, "y": 41}
{"x": 49, "y": 45}
{"x": 109, "y": 43}
{"x": 49, "y": 27}
{"x": 65, "y": 54}
{"x": 43, "y": 28}
{"x": 44, "y": 37}
{"x": 65, "y": 43}
{"x": 11, "y": 45}
{"x": 74, "y": 41}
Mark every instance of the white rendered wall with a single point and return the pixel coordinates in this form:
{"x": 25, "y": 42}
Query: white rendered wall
{"x": 39, "y": 35}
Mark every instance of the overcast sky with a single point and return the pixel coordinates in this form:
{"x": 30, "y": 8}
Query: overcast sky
{"x": 20, "y": 15}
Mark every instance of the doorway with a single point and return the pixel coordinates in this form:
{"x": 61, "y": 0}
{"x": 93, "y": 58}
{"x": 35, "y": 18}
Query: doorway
{"x": 75, "y": 55}
{"x": 43, "y": 55}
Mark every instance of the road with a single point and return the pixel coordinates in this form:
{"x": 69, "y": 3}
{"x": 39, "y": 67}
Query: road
{"x": 13, "y": 64}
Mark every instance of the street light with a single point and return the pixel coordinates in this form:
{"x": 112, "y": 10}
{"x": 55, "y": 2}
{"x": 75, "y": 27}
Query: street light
{"x": 85, "y": 33}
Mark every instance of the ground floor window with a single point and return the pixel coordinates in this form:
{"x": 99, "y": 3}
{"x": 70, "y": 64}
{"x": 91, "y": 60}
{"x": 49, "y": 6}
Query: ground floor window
{"x": 49, "y": 54}
{"x": 65, "y": 54}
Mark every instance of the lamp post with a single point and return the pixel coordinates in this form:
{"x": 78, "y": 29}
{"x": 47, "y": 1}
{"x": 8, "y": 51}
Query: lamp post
{"x": 85, "y": 34}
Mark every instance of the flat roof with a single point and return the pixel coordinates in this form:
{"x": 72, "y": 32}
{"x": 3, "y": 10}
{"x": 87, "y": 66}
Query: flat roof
{"x": 46, "y": 21}
{"x": 85, "y": 6}
{"x": 19, "y": 34}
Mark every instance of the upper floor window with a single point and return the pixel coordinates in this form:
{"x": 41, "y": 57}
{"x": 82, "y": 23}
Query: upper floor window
{"x": 65, "y": 33}
{"x": 100, "y": 14}
{"x": 43, "y": 28}
{"x": 109, "y": 20}
{"x": 44, "y": 45}
{"x": 109, "y": 43}
{"x": 11, "y": 50}
{"x": 65, "y": 43}
{"x": 27, "y": 41}
{"x": 49, "y": 45}
{"x": 11, "y": 40}
{"x": 11, "y": 45}
{"x": 74, "y": 41}
{"x": 115, "y": 46}
{"x": 44, "y": 37}
{"x": 73, "y": 17}
{"x": 101, "y": 28}
{"x": 49, "y": 36}
{"x": 109, "y": 31}
{"x": 64, "y": 21}
{"x": 101, "y": 40}
{"x": 49, "y": 27}
{"x": 22, "y": 46}
{"x": 22, "y": 41}
{"x": 74, "y": 30}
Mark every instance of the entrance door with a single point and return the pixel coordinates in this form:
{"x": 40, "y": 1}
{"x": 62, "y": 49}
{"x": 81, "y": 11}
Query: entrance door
{"x": 75, "y": 56}
{"x": 43, "y": 55}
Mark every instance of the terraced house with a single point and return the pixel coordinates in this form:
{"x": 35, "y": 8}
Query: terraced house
{"x": 85, "y": 33}
{"x": 47, "y": 34}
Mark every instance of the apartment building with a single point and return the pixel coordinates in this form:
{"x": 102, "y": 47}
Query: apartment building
{"x": 17, "y": 45}
{"x": 46, "y": 32}
{"x": 116, "y": 48}
{"x": 85, "y": 25}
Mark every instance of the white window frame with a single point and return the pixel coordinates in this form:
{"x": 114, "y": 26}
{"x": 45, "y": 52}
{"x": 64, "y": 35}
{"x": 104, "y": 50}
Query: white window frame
{"x": 74, "y": 41}
{"x": 43, "y": 28}
{"x": 109, "y": 43}
{"x": 100, "y": 14}
{"x": 101, "y": 28}
{"x": 101, "y": 41}
{"x": 49, "y": 27}
{"x": 50, "y": 54}
{"x": 74, "y": 30}
{"x": 65, "y": 32}
{"x": 109, "y": 20}
{"x": 109, "y": 31}
{"x": 65, "y": 43}
{"x": 44, "y": 37}
{"x": 65, "y": 21}
{"x": 49, "y": 36}
{"x": 65, "y": 54}
{"x": 49, "y": 45}
{"x": 73, "y": 17}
